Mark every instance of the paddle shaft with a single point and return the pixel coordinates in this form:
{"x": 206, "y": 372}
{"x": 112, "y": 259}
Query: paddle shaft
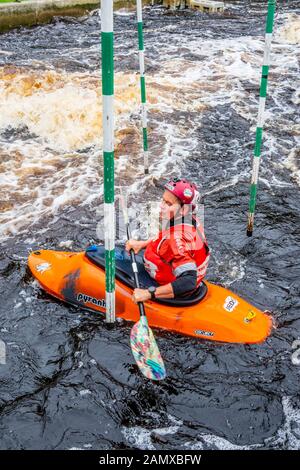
{"x": 143, "y": 344}
{"x": 135, "y": 271}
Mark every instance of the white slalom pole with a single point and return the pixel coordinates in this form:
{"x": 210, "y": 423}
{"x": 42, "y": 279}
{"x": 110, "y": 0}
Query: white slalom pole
{"x": 139, "y": 8}
{"x": 107, "y": 41}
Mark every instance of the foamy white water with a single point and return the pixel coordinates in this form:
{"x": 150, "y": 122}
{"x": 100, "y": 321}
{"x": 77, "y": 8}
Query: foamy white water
{"x": 60, "y": 164}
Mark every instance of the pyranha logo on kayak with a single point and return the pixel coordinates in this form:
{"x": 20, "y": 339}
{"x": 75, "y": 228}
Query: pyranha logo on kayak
{"x": 204, "y": 333}
{"x": 88, "y": 299}
{"x": 230, "y": 304}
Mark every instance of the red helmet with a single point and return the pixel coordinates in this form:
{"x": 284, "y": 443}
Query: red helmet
{"x": 185, "y": 191}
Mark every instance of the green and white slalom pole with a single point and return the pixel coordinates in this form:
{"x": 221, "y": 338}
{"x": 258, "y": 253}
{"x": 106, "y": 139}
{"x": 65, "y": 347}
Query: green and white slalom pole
{"x": 107, "y": 40}
{"x": 142, "y": 83}
{"x": 261, "y": 113}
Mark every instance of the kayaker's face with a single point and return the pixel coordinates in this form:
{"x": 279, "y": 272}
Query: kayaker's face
{"x": 169, "y": 206}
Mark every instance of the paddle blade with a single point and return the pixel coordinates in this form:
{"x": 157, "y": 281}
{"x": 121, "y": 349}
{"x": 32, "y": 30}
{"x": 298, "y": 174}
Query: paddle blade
{"x": 145, "y": 351}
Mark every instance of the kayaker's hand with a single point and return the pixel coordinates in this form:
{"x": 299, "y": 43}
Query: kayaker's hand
{"x": 140, "y": 295}
{"x": 135, "y": 245}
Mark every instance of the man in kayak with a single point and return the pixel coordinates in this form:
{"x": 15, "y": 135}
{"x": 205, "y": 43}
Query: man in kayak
{"x": 177, "y": 258}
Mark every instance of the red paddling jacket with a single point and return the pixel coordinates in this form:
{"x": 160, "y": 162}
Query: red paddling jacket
{"x": 181, "y": 247}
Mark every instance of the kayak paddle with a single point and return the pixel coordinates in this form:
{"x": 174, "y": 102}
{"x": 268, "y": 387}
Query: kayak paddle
{"x": 143, "y": 345}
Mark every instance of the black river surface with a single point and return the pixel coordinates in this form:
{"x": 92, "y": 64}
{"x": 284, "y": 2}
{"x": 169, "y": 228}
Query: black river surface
{"x": 69, "y": 382}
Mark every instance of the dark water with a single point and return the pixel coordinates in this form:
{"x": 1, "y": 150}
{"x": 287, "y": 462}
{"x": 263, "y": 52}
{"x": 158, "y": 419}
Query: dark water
{"x": 69, "y": 382}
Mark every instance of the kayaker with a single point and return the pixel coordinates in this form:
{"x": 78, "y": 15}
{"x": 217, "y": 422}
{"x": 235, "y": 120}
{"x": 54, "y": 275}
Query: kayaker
{"x": 178, "y": 257}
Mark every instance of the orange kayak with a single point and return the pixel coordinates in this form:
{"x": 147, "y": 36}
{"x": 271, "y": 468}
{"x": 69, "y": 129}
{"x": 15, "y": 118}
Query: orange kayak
{"x": 214, "y": 313}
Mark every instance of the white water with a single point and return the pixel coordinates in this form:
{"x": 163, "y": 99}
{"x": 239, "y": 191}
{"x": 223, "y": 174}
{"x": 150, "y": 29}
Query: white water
{"x": 287, "y": 436}
{"x": 45, "y": 173}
